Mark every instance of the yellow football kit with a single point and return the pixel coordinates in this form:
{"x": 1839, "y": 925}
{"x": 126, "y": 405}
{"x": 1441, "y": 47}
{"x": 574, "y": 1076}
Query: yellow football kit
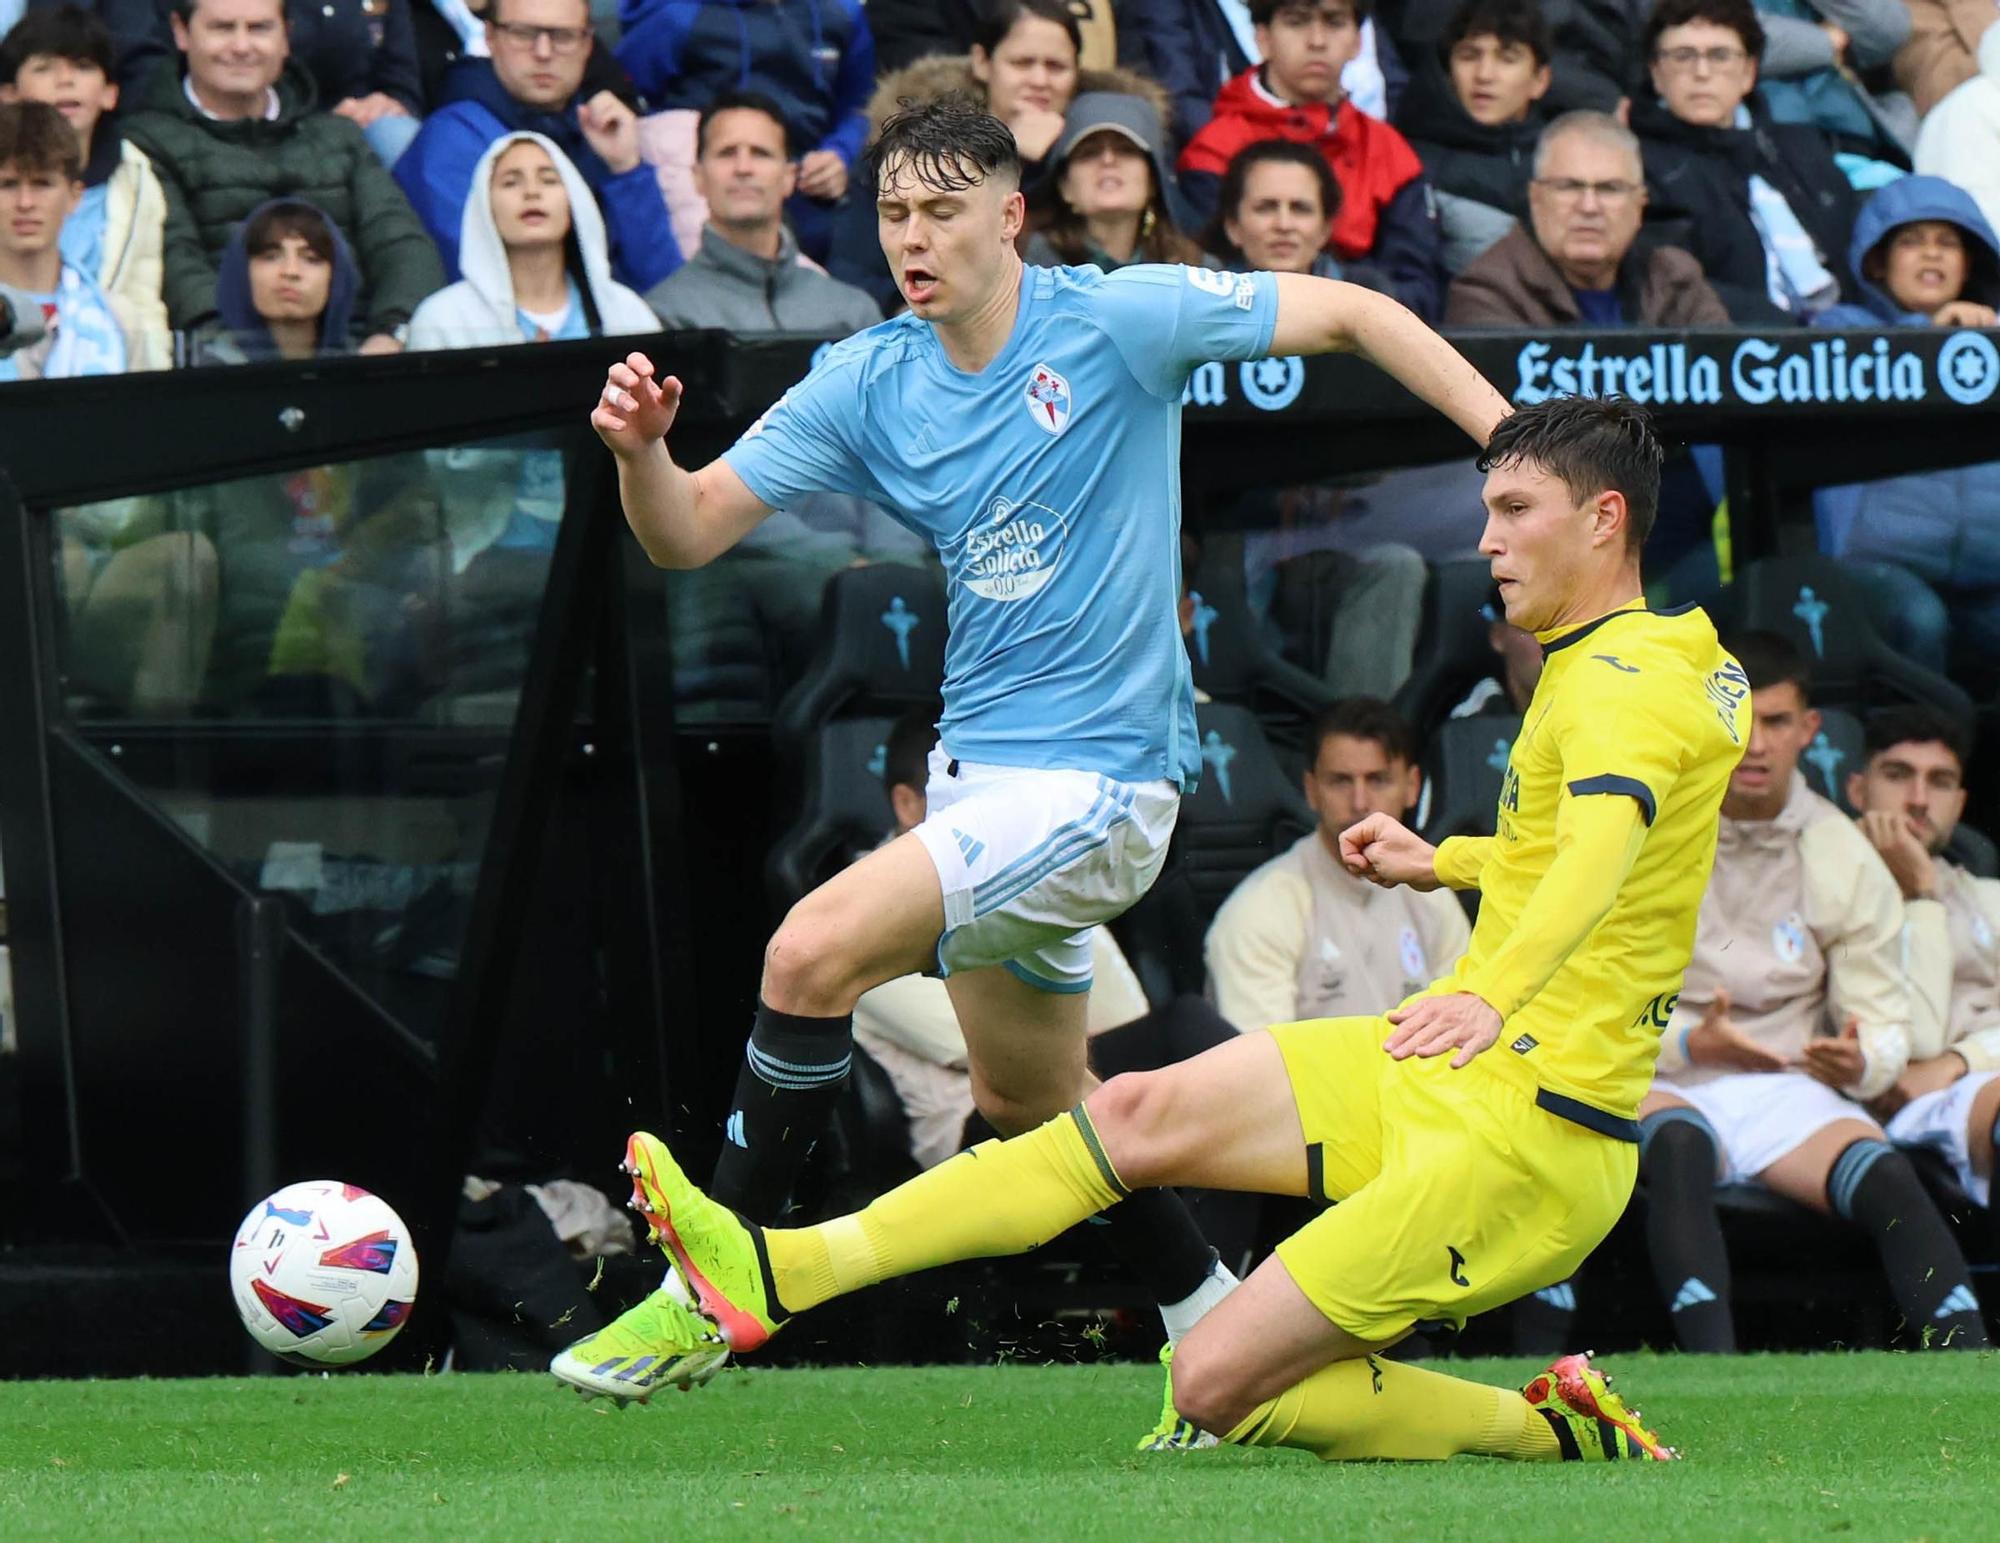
{"x": 1462, "y": 1190}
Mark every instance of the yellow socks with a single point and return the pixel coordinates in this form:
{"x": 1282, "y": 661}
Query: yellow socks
{"x": 1373, "y": 1408}
{"x": 1002, "y": 1197}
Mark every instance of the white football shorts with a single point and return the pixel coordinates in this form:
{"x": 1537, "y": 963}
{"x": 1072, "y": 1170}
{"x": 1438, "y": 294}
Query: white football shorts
{"x": 1938, "y": 1121}
{"x": 1760, "y": 1117}
{"x": 1031, "y": 860}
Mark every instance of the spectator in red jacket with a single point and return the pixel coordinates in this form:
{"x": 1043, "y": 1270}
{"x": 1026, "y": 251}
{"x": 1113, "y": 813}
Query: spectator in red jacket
{"x": 1386, "y": 212}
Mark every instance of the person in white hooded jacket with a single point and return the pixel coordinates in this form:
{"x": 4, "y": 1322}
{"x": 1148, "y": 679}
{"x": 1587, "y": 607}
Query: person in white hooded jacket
{"x": 537, "y": 270}
{"x": 536, "y": 262}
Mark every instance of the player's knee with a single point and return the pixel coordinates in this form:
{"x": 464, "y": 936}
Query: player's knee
{"x": 1209, "y": 1388}
{"x": 805, "y": 968}
{"x": 1133, "y": 1117}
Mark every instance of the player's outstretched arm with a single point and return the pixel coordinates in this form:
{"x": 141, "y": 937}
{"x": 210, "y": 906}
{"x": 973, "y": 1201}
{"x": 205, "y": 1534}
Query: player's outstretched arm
{"x": 683, "y": 519}
{"x": 1327, "y": 316}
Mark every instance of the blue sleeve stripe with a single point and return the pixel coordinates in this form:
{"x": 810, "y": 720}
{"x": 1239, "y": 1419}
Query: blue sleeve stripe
{"x": 1630, "y": 786}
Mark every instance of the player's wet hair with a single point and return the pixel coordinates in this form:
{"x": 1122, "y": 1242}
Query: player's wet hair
{"x": 1592, "y": 445}
{"x": 34, "y": 137}
{"x": 996, "y": 18}
{"x": 952, "y": 143}
{"x": 1771, "y": 659}
{"x": 906, "y": 749}
{"x": 1363, "y": 717}
{"x": 740, "y": 101}
{"x": 1511, "y": 21}
{"x": 1914, "y": 724}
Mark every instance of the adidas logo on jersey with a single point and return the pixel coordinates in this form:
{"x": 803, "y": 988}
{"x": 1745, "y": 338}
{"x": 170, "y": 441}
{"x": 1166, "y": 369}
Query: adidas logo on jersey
{"x": 969, "y": 847}
{"x": 1524, "y": 1044}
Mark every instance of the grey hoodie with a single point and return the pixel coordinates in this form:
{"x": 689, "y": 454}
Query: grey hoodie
{"x": 721, "y": 285}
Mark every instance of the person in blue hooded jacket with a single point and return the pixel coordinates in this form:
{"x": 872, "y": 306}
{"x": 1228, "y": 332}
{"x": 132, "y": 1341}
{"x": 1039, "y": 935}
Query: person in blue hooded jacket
{"x": 534, "y": 83}
{"x": 285, "y": 287}
{"x": 1925, "y": 546}
{"x": 815, "y": 58}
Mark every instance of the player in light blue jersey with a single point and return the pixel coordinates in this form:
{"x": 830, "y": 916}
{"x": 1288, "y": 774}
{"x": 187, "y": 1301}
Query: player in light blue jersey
{"x": 1027, "y": 422}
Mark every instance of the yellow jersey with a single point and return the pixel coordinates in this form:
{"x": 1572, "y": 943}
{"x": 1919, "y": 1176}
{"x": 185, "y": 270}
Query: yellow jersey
{"x": 1637, "y": 704}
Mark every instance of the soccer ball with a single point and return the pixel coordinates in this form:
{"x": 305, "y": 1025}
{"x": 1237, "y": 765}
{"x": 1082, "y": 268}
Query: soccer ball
{"x": 323, "y": 1273}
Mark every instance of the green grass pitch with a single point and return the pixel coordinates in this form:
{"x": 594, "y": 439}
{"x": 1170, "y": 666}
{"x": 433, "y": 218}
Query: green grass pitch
{"x": 1860, "y": 1446}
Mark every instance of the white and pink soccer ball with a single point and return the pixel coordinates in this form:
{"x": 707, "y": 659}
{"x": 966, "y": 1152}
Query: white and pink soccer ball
{"x": 323, "y": 1273}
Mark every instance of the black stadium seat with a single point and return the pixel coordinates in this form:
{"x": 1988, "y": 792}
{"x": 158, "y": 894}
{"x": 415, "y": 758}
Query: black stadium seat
{"x": 843, "y": 811}
{"x": 1812, "y": 601}
{"x": 1246, "y": 811}
{"x": 1231, "y": 660}
{"x": 879, "y": 652}
{"x": 1452, "y": 653}
{"x": 880, "y": 649}
{"x": 1463, "y": 764}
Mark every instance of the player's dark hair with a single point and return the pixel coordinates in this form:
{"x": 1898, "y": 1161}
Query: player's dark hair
{"x": 59, "y": 32}
{"x": 1592, "y": 445}
{"x": 952, "y": 143}
{"x": 1511, "y": 21}
{"x": 1914, "y": 724}
{"x": 907, "y": 748}
{"x": 994, "y": 19}
{"x": 34, "y": 137}
{"x": 1771, "y": 659}
{"x": 745, "y": 102}
{"x": 1739, "y": 16}
{"x": 1264, "y": 12}
{"x": 1363, "y": 717}
{"x": 1236, "y": 182}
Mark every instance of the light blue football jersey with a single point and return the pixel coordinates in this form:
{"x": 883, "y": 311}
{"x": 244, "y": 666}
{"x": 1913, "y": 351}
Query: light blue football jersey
{"x": 1050, "y": 484}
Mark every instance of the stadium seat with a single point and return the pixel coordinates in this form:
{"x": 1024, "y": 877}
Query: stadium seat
{"x": 879, "y": 652}
{"x": 1246, "y": 811}
{"x": 1811, "y": 601}
{"x": 1462, "y": 765}
{"x": 1232, "y": 661}
{"x": 1452, "y": 654}
{"x": 843, "y": 811}
{"x": 1835, "y": 753}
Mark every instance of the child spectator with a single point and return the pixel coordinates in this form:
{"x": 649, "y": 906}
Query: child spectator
{"x": 1925, "y": 546}
{"x": 1385, "y": 213}
{"x": 62, "y": 55}
{"x": 40, "y": 186}
{"x": 1111, "y": 189}
{"x": 1473, "y": 113}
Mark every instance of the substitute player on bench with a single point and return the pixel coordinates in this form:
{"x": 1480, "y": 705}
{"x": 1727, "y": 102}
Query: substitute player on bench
{"x": 1027, "y": 421}
{"x": 1481, "y": 1138}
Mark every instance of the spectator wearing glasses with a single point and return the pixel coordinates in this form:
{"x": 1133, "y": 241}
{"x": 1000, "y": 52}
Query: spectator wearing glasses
{"x": 534, "y": 83}
{"x": 1579, "y": 260}
{"x": 1761, "y": 204}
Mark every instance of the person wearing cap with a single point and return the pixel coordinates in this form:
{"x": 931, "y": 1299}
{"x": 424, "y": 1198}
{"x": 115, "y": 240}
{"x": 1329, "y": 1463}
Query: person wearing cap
{"x": 1111, "y": 187}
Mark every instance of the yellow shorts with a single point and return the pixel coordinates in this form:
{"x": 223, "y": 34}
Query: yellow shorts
{"x": 1457, "y": 1192}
